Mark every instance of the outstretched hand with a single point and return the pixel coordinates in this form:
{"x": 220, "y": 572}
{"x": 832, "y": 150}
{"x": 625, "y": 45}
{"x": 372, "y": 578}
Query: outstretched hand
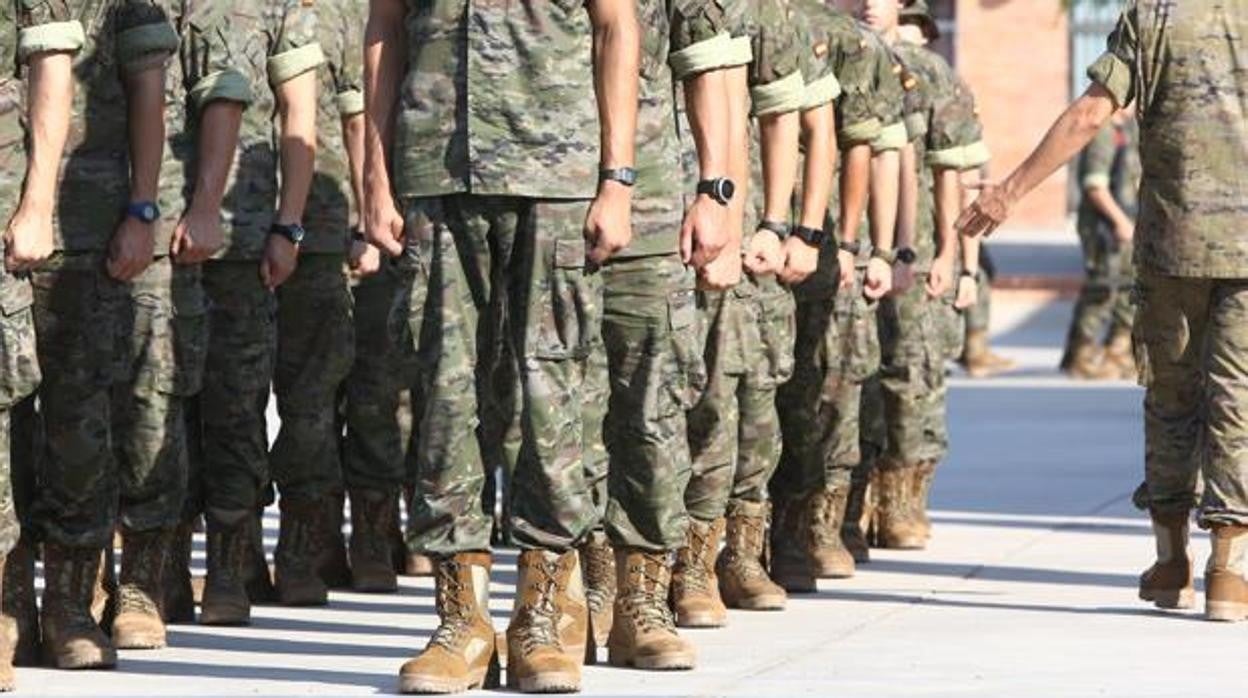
{"x": 987, "y": 213}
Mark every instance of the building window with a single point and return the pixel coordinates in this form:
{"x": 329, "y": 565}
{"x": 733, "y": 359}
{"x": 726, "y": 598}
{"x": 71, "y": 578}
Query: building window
{"x": 945, "y": 12}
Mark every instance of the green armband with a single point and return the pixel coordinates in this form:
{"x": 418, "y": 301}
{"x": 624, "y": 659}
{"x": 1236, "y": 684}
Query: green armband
{"x": 822, "y": 91}
{"x": 783, "y": 95}
{"x": 349, "y": 103}
{"x": 144, "y": 40}
{"x": 291, "y": 64}
{"x": 53, "y": 36}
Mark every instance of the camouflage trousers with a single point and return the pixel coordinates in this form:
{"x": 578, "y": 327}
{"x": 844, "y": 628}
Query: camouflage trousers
{"x": 381, "y": 391}
{"x": 650, "y": 351}
{"x": 19, "y": 376}
{"x": 1104, "y": 304}
{"x": 734, "y": 429}
{"x": 501, "y": 270}
{"x": 315, "y": 348}
{"x": 837, "y": 349}
{"x": 915, "y": 341}
{"x": 230, "y": 441}
{"x": 120, "y": 363}
{"x": 1191, "y": 340}
{"x": 979, "y": 315}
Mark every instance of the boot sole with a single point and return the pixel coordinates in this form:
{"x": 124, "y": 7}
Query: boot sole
{"x": 208, "y": 616}
{"x": 484, "y": 679}
{"x": 796, "y": 584}
{"x": 760, "y": 603}
{"x": 700, "y": 620}
{"x": 837, "y": 572}
{"x": 673, "y": 661}
{"x": 552, "y": 682}
{"x": 1181, "y": 599}
{"x": 104, "y": 660}
{"x": 139, "y": 641}
{"x": 1226, "y": 611}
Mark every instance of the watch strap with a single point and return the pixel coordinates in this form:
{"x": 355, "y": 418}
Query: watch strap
{"x": 889, "y": 256}
{"x": 624, "y": 175}
{"x": 811, "y": 236}
{"x": 854, "y": 248}
{"x": 780, "y": 229}
{"x": 145, "y": 211}
{"x": 292, "y": 231}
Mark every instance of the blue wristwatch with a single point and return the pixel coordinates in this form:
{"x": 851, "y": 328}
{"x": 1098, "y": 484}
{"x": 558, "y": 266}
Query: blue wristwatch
{"x": 145, "y": 211}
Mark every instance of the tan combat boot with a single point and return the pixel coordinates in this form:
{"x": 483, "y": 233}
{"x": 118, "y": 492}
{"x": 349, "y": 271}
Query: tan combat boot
{"x": 695, "y": 588}
{"x": 8, "y": 643}
{"x": 1226, "y": 590}
{"x": 462, "y": 654}
{"x": 333, "y": 566}
{"x": 1119, "y": 354}
{"x": 1087, "y": 362}
{"x": 644, "y": 632}
{"x": 858, "y": 515}
{"x": 978, "y": 359}
{"x": 549, "y": 625}
{"x": 177, "y": 604}
{"x": 598, "y": 566}
{"x": 743, "y": 581}
{"x": 19, "y": 611}
{"x": 921, "y": 483}
{"x": 225, "y": 600}
{"x": 374, "y": 522}
{"x": 1168, "y": 583}
{"x": 823, "y": 516}
{"x": 791, "y": 567}
{"x": 260, "y": 587}
{"x": 144, "y": 558}
{"x": 104, "y": 594}
{"x": 896, "y": 526}
{"x": 72, "y": 638}
{"x": 297, "y": 560}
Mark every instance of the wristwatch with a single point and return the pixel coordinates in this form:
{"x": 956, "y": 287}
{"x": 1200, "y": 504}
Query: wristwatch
{"x": 624, "y": 175}
{"x": 293, "y": 232}
{"x": 889, "y": 256}
{"x": 907, "y": 255}
{"x": 358, "y": 236}
{"x": 721, "y": 189}
{"x": 144, "y": 211}
{"x": 811, "y": 236}
{"x": 854, "y": 248}
{"x": 969, "y": 275}
{"x": 780, "y": 229}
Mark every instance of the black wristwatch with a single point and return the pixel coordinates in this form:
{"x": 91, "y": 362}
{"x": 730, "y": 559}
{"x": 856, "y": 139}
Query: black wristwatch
{"x": 811, "y": 236}
{"x": 144, "y": 211}
{"x": 624, "y": 175}
{"x": 969, "y": 275}
{"x": 889, "y": 256}
{"x": 780, "y": 229}
{"x": 721, "y": 189}
{"x": 358, "y": 236}
{"x": 907, "y": 255}
{"x": 293, "y": 232}
{"x": 854, "y": 248}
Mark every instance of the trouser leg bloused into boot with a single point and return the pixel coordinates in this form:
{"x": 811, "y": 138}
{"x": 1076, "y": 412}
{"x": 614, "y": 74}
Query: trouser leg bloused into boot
{"x": 144, "y": 558}
{"x": 1168, "y": 583}
{"x": 72, "y": 638}
{"x": 743, "y": 580}
{"x": 374, "y": 522}
{"x": 695, "y": 587}
{"x": 226, "y": 601}
{"x": 462, "y": 654}
{"x": 296, "y": 569}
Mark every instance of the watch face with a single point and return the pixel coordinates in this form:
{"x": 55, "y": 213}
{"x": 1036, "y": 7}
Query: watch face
{"x": 149, "y": 213}
{"x": 726, "y": 189}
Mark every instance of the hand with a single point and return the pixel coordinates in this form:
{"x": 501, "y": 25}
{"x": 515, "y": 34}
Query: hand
{"x": 879, "y": 279}
{"x": 968, "y": 293}
{"x": 988, "y": 211}
{"x": 903, "y": 278}
{"x": 197, "y": 237}
{"x": 28, "y": 239}
{"x": 281, "y": 256}
{"x": 846, "y": 263}
{"x": 800, "y": 261}
{"x": 364, "y": 260}
{"x": 609, "y": 225}
{"x": 132, "y": 248}
{"x": 704, "y": 233}
{"x": 940, "y": 280}
{"x": 383, "y": 226}
{"x": 724, "y": 271}
{"x": 1125, "y": 231}
{"x": 765, "y": 254}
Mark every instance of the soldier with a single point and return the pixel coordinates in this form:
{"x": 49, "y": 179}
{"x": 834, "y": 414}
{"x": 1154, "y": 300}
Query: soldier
{"x": 977, "y": 356}
{"x": 1179, "y": 64}
{"x": 650, "y": 338}
{"x": 944, "y": 141}
{"x": 734, "y": 429}
{"x": 509, "y": 202}
{"x": 837, "y": 347}
{"x": 41, "y": 46}
{"x": 263, "y": 233}
{"x": 1109, "y": 174}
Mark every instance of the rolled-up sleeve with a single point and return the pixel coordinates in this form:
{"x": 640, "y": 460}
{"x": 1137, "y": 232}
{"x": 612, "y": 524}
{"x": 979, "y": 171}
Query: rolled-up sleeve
{"x": 1115, "y": 69}
{"x": 45, "y": 37}
{"x": 144, "y": 35}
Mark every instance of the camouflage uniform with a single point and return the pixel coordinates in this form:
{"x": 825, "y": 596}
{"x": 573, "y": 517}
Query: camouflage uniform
{"x": 1190, "y": 252}
{"x": 1111, "y": 161}
{"x": 119, "y": 358}
{"x": 495, "y": 199}
{"x": 251, "y": 48}
{"x": 650, "y": 322}
{"x": 314, "y": 323}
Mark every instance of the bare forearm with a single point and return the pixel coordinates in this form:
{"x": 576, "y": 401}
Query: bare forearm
{"x": 706, "y": 101}
{"x": 353, "y": 142}
{"x": 218, "y": 140}
{"x": 908, "y": 197}
{"x": 297, "y": 121}
{"x": 145, "y": 104}
{"x": 819, "y": 137}
{"x": 738, "y": 124}
{"x": 1105, "y": 204}
{"x": 885, "y": 190}
{"x": 1072, "y": 131}
{"x": 778, "y": 136}
{"x": 51, "y": 93}
{"x": 617, "y": 56}
{"x": 948, "y": 193}
{"x": 855, "y": 188}
{"x": 385, "y": 47}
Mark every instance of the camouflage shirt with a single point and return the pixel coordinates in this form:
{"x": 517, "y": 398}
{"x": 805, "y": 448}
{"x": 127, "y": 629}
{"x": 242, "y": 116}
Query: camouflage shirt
{"x": 498, "y": 99}
{"x": 231, "y": 48}
{"x": 94, "y": 179}
{"x": 942, "y": 123}
{"x": 1111, "y": 160}
{"x": 24, "y": 32}
{"x": 683, "y": 38}
{"x": 1182, "y": 65}
{"x": 327, "y": 217}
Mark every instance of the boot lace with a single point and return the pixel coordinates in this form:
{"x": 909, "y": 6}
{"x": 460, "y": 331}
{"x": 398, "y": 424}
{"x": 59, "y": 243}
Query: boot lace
{"x": 824, "y": 530}
{"x": 647, "y": 606}
{"x": 695, "y": 561}
{"x": 536, "y": 621}
{"x": 743, "y": 556}
{"x": 599, "y": 571}
{"x": 456, "y": 613}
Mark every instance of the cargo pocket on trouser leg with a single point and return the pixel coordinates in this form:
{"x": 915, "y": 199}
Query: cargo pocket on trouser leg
{"x": 567, "y": 330}
{"x": 690, "y": 379}
{"x": 19, "y": 364}
{"x": 775, "y": 314}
